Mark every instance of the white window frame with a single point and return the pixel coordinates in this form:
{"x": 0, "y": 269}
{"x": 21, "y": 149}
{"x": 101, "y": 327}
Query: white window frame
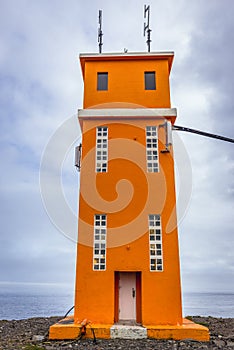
{"x": 101, "y": 149}
{"x": 99, "y": 242}
{"x": 155, "y": 243}
{"x": 152, "y": 155}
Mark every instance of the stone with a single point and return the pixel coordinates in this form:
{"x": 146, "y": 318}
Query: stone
{"x": 13, "y": 336}
{"x": 230, "y": 343}
{"x": 219, "y": 343}
{"x": 38, "y": 338}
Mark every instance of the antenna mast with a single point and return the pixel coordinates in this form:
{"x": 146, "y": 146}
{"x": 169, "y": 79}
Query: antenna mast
{"x": 146, "y": 25}
{"x": 100, "y": 33}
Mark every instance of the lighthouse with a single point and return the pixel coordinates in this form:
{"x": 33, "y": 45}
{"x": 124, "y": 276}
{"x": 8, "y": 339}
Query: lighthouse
{"x": 128, "y": 267}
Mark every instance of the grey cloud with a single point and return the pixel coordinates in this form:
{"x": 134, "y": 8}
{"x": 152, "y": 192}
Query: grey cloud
{"x": 41, "y": 86}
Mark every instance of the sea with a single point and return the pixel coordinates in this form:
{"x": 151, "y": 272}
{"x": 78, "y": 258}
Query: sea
{"x": 23, "y": 304}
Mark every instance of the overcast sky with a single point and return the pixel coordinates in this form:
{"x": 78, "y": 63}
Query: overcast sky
{"x": 41, "y": 90}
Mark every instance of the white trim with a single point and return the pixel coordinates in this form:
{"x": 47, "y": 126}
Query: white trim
{"x": 101, "y": 149}
{"x": 157, "y": 252}
{"x": 127, "y": 112}
{"x": 152, "y": 154}
{"x": 99, "y": 259}
{"x": 128, "y": 54}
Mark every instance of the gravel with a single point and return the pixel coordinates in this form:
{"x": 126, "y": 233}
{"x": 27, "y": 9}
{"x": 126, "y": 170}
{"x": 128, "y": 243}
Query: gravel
{"x": 32, "y": 334}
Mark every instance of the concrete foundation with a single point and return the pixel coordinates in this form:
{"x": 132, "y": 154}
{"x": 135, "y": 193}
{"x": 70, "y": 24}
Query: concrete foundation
{"x": 128, "y": 332}
{"x": 67, "y": 329}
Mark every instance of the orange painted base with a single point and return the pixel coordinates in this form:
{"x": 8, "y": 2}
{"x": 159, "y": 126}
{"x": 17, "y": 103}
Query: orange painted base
{"x": 188, "y": 330}
{"x": 66, "y": 329}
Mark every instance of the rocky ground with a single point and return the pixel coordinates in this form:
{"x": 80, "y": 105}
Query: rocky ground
{"x": 32, "y": 334}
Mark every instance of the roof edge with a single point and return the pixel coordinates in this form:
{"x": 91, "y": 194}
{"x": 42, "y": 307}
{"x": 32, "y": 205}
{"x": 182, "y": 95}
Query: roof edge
{"x": 112, "y": 56}
{"x": 125, "y": 54}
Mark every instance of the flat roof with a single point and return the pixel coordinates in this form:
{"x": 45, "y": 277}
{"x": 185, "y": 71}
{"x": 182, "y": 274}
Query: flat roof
{"x": 165, "y": 55}
{"x": 126, "y": 113}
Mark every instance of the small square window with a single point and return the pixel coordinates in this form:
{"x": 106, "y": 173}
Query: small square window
{"x": 102, "y": 81}
{"x": 150, "y": 83}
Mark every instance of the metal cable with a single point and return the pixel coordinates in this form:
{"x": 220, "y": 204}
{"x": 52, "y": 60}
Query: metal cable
{"x": 203, "y": 133}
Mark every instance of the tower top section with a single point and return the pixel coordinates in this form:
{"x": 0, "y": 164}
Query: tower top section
{"x": 126, "y": 80}
{"x": 126, "y": 56}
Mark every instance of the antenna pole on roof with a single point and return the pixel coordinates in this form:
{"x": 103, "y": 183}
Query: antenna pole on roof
{"x": 146, "y": 25}
{"x": 100, "y": 33}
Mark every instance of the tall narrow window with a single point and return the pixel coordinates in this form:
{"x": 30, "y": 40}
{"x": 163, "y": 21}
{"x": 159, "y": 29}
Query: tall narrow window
{"x": 155, "y": 243}
{"x": 152, "y": 149}
{"x": 101, "y": 149}
{"x": 102, "y": 81}
{"x": 150, "y": 82}
{"x": 99, "y": 242}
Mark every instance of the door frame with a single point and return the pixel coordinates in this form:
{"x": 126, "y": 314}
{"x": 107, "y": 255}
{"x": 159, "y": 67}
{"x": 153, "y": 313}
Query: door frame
{"x": 138, "y": 295}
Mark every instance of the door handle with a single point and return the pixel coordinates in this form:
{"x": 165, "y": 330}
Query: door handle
{"x": 133, "y": 292}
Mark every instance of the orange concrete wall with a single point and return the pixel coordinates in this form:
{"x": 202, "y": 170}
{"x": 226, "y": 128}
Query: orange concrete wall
{"x": 126, "y": 84}
{"x": 127, "y": 194}
{"x": 161, "y": 303}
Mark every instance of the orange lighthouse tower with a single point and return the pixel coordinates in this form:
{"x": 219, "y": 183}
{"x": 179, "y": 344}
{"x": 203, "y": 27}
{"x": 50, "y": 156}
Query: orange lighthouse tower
{"x": 128, "y": 272}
